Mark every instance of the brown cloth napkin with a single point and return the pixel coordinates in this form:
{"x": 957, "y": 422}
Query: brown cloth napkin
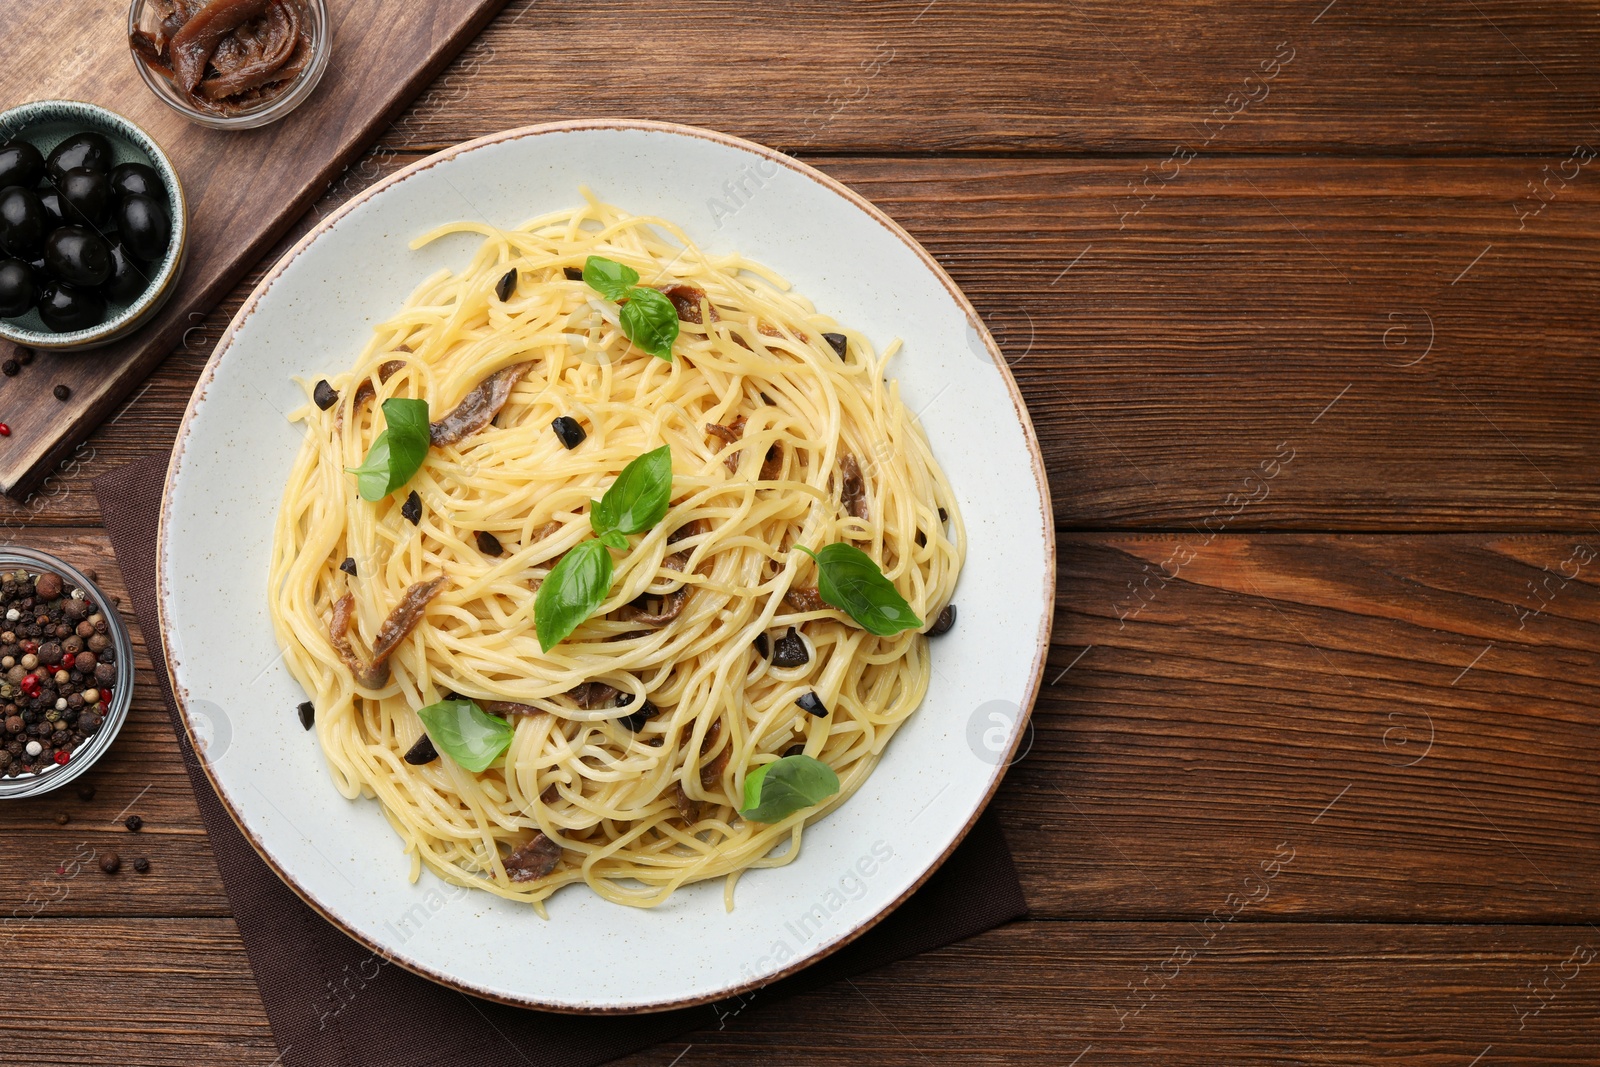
{"x": 332, "y": 1003}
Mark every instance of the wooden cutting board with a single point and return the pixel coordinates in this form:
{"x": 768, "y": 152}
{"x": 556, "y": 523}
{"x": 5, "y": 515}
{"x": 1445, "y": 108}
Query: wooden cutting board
{"x": 244, "y": 189}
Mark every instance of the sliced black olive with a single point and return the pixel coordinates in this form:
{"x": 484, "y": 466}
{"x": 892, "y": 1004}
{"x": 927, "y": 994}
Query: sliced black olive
{"x": 790, "y": 650}
{"x": 946, "y": 619}
{"x": 412, "y": 508}
{"x": 17, "y": 291}
{"x": 488, "y": 543}
{"x": 837, "y": 340}
{"x": 85, "y": 196}
{"x": 127, "y": 281}
{"x": 85, "y": 149}
{"x": 812, "y": 704}
{"x": 636, "y": 721}
{"x": 145, "y": 226}
{"x": 128, "y": 179}
{"x": 65, "y": 308}
{"x": 23, "y": 222}
{"x": 568, "y": 429}
{"x": 762, "y": 646}
{"x": 349, "y": 566}
{"x": 795, "y": 750}
{"x": 308, "y": 714}
{"x": 506, "y": 285}
{"x": 574, "y": 274}
{"x": 20, "y": 164}
{"x": 944, "y": 516}
{"x": 78, "y": 256}
{"x": 325, "y": 395}
{"x": 421, "y": 752}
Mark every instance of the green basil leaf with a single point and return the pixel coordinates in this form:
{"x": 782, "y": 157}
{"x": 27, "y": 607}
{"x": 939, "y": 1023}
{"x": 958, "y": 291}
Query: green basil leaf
{"x": 775, "y": 791}
{"x": 572, "y": 591}
{"x": 849, "y": 580}
{"x": 608, "y": 277}
{"x": 638, "y": 499}
{"x": 614, "y": 539}
{"x": 466, "y": 733}
{"x": 650, "y": 321}
{"x": 397, "y": 452}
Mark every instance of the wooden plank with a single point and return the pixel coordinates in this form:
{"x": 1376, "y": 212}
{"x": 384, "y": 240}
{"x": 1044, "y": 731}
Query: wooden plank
{"x": 1404, "y": 713}
{"x": 165, "y": 993}
{"x": 1256, "y": 308}
{"x": 243, "y": 190}
{"x": 907, "y": 76}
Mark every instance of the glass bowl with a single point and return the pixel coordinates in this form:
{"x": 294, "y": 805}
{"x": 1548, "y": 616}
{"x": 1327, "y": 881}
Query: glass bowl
{"x": 142, "y": 16}
{"x": 34, "y": 783}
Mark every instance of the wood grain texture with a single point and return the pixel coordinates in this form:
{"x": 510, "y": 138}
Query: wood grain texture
{"x": 907, "y": 76}
{"x": 1254, "y": 994}
{"x": 243, "y": 189}
{"x": 1430, "y": 364}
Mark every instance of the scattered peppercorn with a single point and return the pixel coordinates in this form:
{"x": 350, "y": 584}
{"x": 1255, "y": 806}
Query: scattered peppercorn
{"x": 837, "y": 340}
{"x": 63, "y": 819}
{"x": 325, "y": 395}
{"x": 24, "y": 355}
{"x": 133, "y": 823}
{"x": 421, "y": 752}
{"x": 349, "y": 566}
{"x": 411, "y": 510}
{"x": 308, "y": 714}
{"x": 11, "y": 368}
{"x": 86, "y": 792}
{"x": 61, "y": 392}
{"x": 141, "y": 865}
{"x": 574, "y": 274}
{"x": 569, "y": 431}
{"x": 790, "y": 650}
{"x": 812, "y": 704}
{"x": 489, "y": 544}
{"x": 110, "y": 862}
{"x": 946, "y": 619}
{"x": 506, "y": 285}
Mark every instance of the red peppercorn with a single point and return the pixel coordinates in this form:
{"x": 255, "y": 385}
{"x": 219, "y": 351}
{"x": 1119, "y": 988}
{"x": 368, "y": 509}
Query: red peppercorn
{"x": 5, "y": 431}
{"x": 62, "y": 758}
{"x": 68, "y": 660}
{"x": 30, "y": 684}
{"x": 30, "y": 647}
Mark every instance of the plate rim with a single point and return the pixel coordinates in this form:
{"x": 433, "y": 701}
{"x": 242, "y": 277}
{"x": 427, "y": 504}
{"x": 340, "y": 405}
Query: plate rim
{"x": 974, "y": 321}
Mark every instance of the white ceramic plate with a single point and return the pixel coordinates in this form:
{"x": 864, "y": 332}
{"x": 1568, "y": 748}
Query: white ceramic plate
{"x": 314, "y": 312}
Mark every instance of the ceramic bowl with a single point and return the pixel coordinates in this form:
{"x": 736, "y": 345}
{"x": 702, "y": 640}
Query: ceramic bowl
{"x": 45, "y": 124}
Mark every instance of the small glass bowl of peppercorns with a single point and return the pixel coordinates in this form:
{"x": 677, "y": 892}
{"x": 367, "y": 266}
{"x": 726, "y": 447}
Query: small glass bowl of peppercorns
{"x": 66, "y": 672}
{"x": 93, "y": 225}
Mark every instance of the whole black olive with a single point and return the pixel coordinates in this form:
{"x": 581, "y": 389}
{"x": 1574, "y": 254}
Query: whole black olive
{"x": 144, "y": 225}
{"x": 80, "y": 150}
{"x": 77, "y": 256}
{"x": 16, "y": 288}
{"x": 127, "y": 281}
{"x": 86, "y": 195}
{"x": 22, "y": 222}
{"x": 64, "y": 308}
{"x": 55, "y": 212}
{"x": 20, "y": 164}
{"x": 130, "y": 178}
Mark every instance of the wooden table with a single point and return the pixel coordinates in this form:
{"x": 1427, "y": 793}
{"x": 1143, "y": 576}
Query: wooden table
{"x": 1303, "y": 298}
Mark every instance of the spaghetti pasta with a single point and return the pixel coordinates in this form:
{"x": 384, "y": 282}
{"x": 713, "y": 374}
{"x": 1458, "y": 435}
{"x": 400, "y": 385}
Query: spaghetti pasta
{"x": 632, "y": 738}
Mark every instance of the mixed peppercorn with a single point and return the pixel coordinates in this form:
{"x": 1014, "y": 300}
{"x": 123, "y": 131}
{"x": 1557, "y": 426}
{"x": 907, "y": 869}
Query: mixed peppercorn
{"x": 58, "y": 664}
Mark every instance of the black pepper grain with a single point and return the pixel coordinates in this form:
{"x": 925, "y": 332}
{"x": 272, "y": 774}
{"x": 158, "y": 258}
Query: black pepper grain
{"x": 133, "y": 823}
{"x": 24, "y": 355}
{"x": 11, "y": 368}
{"x": 411, "y": 510}
{"x": 61, "y": 392}
{"x": 110, "y": 862}
{"x": 141, "y": 865}
{"x": 86, "y": 792}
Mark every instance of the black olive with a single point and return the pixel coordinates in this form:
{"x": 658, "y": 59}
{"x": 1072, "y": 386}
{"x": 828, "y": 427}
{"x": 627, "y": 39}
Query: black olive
{"x": 85, "y": 149}
{"x": 349, "y": 566}
{"x": 308, "y": 714}
{"x": 85, "y": 195}
{"x": 78, "y": 256}
{"x": 837, "y": 341}
{"x": 22, "y": 222}
{"x": 421, "y": 752}
{"x": 942, "y": 625}
{"x": 489, "y": 544}
{"x": 325, "y": 395}
{"x": 636, "y": 721}
{"x": 127, "y": 280}
{"x": 64, "y": 308}
{"x": 570, "y": 432}
{"x": 17, "y": 290}
{"x": 144, "y": 225}
{"x": 128, "y": 179}
{"x": 790, "y": 650}
{"x": 795, "y": 750}
{"x": 411, "y": 510}
{"x": 573, "y": 274}
{"x": 55, "y": 211}
{"x": 506, "y": 285}
{"x": 762, "y": 646}
{"x": 20, "y": 164}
